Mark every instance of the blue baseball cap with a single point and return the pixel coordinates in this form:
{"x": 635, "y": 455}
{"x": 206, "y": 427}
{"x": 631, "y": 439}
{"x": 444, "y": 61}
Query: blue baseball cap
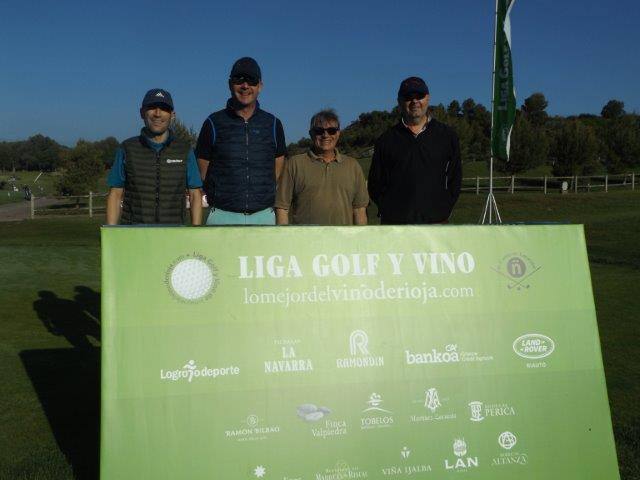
{"x": 157, "y": 96}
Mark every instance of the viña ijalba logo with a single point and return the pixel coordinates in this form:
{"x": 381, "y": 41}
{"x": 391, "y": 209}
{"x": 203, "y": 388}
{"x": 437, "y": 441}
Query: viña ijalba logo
{"x": 191, "y": 278}
{"x": 191, "y": 372}
{"x": 518, "y": 269}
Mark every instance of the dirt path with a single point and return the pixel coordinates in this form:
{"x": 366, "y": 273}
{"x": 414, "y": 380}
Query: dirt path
{"x": 12, "y": 212}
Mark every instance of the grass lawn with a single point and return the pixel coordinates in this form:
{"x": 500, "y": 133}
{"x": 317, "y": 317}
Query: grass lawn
{"x": 50, "y": 302}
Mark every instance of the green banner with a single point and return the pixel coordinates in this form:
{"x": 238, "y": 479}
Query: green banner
{"x": 326, "y": 353}
{"x": 504, "y": 95}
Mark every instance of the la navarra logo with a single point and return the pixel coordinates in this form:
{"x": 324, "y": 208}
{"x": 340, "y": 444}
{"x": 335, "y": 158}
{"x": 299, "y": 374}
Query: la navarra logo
{"x": 192, "y": 278}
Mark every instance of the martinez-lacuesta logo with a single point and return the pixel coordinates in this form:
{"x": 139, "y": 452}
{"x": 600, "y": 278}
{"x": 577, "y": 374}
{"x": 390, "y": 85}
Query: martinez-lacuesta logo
{"x": 192, "y": 278}
{"x": 517, "y": 268}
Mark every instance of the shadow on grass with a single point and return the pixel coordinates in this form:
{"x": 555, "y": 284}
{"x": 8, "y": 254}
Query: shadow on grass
{"x": 67, "y": 380}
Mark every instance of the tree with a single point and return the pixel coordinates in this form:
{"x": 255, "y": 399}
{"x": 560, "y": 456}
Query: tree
{"x": 184, "y": 133}
{"x": 468, "y": 108}
{"x": 575, "y": 149}
{"x": 613, "y": 109}
{"x": 534, "y": 108}
{"x": 82, "y": 167}
{"x": 108, "y": 147}
{"x": 529, "y": 147}
{"x": 453, "y": 110}
{"x": 621, "y": 143}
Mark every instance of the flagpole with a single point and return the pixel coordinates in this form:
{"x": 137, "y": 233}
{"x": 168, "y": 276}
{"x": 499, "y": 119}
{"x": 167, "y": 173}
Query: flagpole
{"x": 490, "y": 206}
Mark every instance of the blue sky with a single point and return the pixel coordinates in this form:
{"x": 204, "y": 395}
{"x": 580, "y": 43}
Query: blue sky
{"x": 74, "y": 70}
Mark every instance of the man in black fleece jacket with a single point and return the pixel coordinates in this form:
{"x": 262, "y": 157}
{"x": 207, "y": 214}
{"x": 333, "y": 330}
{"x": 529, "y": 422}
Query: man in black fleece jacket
{"x": 416, "y": 171}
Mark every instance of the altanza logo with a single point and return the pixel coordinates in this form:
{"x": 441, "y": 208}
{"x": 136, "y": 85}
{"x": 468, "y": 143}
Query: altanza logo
{"x": 191, "y": 372}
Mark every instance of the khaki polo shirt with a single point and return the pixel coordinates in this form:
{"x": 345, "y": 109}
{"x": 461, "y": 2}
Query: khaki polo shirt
{"x": 319, "y": 193}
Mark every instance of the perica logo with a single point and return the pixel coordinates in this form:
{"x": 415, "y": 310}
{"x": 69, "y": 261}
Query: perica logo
{"x": 533, "y": 346}
{"x": 191, "y": 278}
{"x": 517, "y": 268}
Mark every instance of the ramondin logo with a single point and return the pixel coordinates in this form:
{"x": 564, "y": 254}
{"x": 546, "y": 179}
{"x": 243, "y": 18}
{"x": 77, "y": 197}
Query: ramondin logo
{"x": 533, "y": 346}
{"x": 517, "y": 268}
{"x": 192, "y": 278}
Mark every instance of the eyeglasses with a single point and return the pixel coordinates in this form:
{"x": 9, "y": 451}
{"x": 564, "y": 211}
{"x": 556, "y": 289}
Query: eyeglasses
{"x": 240, "y": 79}
{"x": 319, "y": 131}
{"x": 413, "y": 96}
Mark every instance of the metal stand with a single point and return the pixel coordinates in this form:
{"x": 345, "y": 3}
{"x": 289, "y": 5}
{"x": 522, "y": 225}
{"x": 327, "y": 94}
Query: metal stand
{"x": 490, "y": 214}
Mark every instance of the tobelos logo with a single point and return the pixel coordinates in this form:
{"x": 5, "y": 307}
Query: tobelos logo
{"x": 517, "y": 268}
{"x": 192, "y": 278}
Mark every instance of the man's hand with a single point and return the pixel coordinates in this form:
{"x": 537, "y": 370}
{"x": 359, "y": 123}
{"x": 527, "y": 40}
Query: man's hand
{"x": 195, "y": 200}
{"x": 360, "y": 216}
{"x": 282, "y": 216}
{"x": 114, "y": 205}
{"x": 203, "y": 165}
{"x": 279, "y": 165}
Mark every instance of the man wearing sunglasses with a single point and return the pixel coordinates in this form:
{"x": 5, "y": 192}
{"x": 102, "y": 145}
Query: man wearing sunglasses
{"x": 416, "y": 171}
{"x": 322, "y": 186}
{"x": 241, "y": 153}
{"x": 152, "y": 171}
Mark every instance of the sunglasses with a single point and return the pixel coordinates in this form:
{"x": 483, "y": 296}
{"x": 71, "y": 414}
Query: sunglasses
{"x": 319, "y": 130}
{"x": 240, "y": 79}
{"x": 413, "y": 96}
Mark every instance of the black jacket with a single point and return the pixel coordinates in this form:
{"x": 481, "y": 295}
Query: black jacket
{"x": 416, "y": 180}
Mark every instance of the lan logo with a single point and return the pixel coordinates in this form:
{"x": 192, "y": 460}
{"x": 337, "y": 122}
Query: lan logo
{"x": 517, "y": 268}
{"x": 191, "y": 278}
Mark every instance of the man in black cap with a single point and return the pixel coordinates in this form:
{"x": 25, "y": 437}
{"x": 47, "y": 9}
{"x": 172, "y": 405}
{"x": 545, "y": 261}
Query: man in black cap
{"x": 152, "y": 171}
{"x": 416, "y": 171}
{"x": 240, "y": 153}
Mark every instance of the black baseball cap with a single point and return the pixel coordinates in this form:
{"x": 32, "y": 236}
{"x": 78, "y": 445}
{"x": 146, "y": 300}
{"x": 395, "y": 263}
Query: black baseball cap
{"x": 412, "y": 85}
{"x": 246, "y": 67}
{"x": 157, "y": 96}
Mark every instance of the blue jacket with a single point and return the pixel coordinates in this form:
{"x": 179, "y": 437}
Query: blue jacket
{"x": 241, "y": 175}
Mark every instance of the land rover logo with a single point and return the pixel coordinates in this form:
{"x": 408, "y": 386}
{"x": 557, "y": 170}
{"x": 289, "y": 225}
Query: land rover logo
{"x": 533, "y": 346}
{"x": 191, "y": 278}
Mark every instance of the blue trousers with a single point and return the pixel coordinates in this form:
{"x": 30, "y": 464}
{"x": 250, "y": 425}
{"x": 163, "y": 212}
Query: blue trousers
{"x": 222, "y": 217}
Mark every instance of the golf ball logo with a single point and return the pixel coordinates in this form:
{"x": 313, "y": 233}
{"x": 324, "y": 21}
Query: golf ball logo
{"x": 192, "y": 278}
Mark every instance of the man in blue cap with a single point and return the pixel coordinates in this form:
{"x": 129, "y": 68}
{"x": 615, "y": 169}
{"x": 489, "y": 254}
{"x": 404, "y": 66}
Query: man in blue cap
{"x": 152, "y": 171}
{"x": 416, "y": 172}
{"x": 241, "y": 152}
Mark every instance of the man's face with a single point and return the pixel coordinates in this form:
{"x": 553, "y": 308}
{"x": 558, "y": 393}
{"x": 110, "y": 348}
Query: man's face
{"x": 245, "y": 90}
{"x": 414, "y": 106}
{"x": 157, "y": 118}
{"x": 325, "y": 136}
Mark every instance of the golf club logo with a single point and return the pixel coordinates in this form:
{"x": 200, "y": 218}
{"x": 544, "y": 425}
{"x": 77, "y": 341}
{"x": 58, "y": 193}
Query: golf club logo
{"x": 517, "y": 268}
{"x": 191, "y": 278}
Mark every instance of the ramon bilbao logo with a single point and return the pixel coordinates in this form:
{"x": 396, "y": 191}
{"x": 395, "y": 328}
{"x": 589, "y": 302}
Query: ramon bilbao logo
{"x": 192, "y": 278}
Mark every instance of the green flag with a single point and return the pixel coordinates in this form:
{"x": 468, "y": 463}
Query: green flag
{"x": 504, "y": 95}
